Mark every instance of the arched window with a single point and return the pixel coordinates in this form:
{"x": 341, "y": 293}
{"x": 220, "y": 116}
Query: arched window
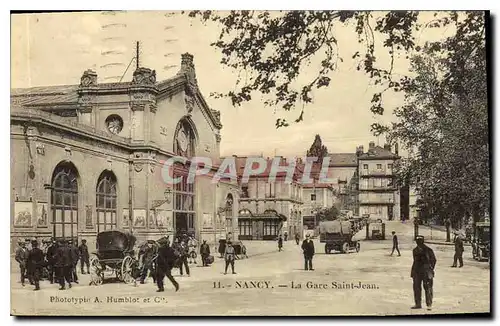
{"x": 185, "y": 139}
{"x": 64, "y": 203}
{"x": 106, "y": 201}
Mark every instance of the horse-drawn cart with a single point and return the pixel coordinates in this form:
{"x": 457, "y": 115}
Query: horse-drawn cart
{"x": 337, "y": 235}
{"x": 114, "y": 255}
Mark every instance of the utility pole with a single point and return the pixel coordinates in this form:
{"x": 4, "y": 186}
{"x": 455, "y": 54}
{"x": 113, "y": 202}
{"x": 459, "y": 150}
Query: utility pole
{"x": 137, "y": 55}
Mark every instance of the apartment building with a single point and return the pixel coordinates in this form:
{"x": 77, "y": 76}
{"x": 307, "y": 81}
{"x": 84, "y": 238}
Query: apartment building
{"x": 378, "y": 195}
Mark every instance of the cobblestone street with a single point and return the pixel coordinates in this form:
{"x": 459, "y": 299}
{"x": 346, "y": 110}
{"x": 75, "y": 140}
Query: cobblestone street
{"x": 208, "y": 291}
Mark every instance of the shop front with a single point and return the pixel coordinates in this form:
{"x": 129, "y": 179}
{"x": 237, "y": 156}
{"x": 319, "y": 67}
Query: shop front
{"x": 265, "y": 226}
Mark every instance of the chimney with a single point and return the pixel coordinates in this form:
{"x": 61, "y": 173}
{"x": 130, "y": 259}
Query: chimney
{"x": 371, "y": 145}
{"x": 396, "y": 149}
{"x": 387, "y": 147}
{"x": 359, "y": 150}
{"x": 187, "y": 62}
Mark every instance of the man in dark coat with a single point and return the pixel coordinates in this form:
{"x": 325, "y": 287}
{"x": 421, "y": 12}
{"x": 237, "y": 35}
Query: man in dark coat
{"x": 459, "y": 250}
{"x": 297, "y": 238}
{"x": 229, "y": 257}
{"x": 204, "y": 252}
{"x": 83, "y": 251}
{"x": 280, "y": 243}
{"x": 35, "y": 262}
{"x": 308, "y": 250}
{"x": 22, "y": 259}
{"x": 395, "y": 243}
{"x": 75, "y": 255}
{"x": 50, "y": 257}
{"x": 184, "y": 251}
{"x": 164, "y": 264}
{"x": 63, "y": 263}
{"x": 147, "y": 254}
{"x": 422, "y": 271}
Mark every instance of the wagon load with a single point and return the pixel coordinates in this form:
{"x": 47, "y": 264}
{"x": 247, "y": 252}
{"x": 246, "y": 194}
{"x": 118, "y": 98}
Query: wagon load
{"x": 341, "y": 227}
{"x": 337, "y": 235}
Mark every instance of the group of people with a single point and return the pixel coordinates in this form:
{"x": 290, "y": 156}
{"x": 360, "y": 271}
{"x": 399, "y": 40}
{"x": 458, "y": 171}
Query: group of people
{"x": 56, "y": 260}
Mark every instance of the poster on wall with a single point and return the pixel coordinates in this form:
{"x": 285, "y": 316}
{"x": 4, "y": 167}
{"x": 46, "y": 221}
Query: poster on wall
{"x": 88, "y": 217}
{"x": 125, "y": 218}
{"x": 208, "y": 222}
{"x": 152, "y": 219}
{"x": 139, "y": 218}
{"x": 42, "y": 214}
{"x": 164, "y": 220}
{"x": 23, "y": 212}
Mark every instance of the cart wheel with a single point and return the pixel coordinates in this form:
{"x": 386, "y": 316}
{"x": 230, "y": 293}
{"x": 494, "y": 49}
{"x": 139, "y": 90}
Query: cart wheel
{"x": 96, "y": 273}
{"x": 345, "y": 248}
{"x": 358, "y": 246}
{"x": 127, "y": 269}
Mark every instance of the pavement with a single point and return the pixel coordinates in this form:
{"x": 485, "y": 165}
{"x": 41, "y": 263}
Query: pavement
{"x": 269, "y": 282}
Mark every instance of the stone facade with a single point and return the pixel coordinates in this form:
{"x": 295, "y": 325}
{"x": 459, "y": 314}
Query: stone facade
{"x": 89, "y": 157}
{"x": 378, "y": 195}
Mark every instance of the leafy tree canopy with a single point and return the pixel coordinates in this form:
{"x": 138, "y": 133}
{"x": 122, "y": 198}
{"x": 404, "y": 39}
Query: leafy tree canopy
{"x": 274, "y": 47}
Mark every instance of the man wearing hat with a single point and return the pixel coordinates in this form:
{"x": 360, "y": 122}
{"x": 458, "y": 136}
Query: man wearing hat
{"x": 308, "y": 250}
{"x": 164, "y": 264}
{"x": 35, "y": 263}
{"x": 459, "y": 250}
{"x": 83, "y": 251}
{"x": 50, "y": 256}
{"x": 204, "y": 252}
{"x": 147, "y": 255}
{"x": 395, "y": 243}
{"x": 63, "y": 264}
{"x": 22, "y": 259}
{"x": 422, "y": 271}
{"x": 75, "y": 255}
{"x": 229, "y": 256}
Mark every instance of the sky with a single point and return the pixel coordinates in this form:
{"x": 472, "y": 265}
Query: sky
{"x": 55, "y": 49}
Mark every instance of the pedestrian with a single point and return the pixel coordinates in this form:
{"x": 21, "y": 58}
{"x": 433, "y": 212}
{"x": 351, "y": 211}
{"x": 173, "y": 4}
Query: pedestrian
{"x": 164, "y": 263}
{"x": 297, "y": 238}
{"x": 192, "y": 245}
{"x": 459, "y": 250}
{"x": 75, "y": 255}
{"x": 280, "y": 243}
{"x": 204, "y": 252}
{"x": 229, "y": 256}
{"x": 63, "y": 263}
{"x": 147, "y": 261}
{"x": 285, "y": 235}
{"x": 35, "y": 263}
{"x": 422, "y": 271}
{"x": 308, "y": 250}
{"x": 28, "y": 246}
{"x": 22, "y": 259}
{"x": 83, "y": 251}
{"x": 50, "y": 256}
{"x": 395, "y": 243}
{"x": 184, "y": 252}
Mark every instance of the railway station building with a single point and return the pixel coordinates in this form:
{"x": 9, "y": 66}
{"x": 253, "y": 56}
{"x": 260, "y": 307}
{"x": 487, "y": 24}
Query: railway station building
{"x": 87, "y": 158}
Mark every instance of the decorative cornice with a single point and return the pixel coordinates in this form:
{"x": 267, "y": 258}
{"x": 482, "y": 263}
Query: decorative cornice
{"x": 88, "y": 79}
{"x": 135, "y": 106}
{"x": 144, "y": 76}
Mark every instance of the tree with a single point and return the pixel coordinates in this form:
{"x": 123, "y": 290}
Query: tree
{"x": 272, "y": 48}
{"x": 327, "y": 214}
{"x": 444, "y": 123}
{"x": 317, "y": 149}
